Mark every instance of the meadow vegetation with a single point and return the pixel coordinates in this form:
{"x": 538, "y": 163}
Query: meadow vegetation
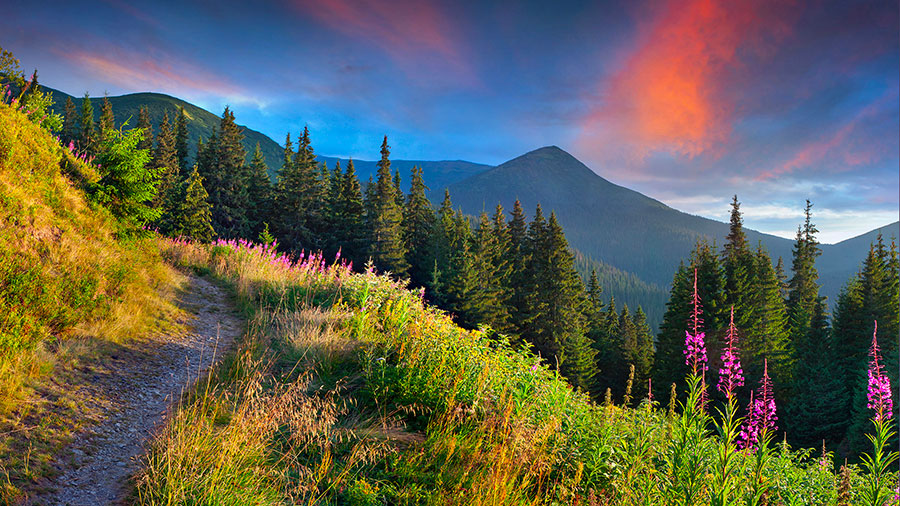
{"x": 349, "y": 389}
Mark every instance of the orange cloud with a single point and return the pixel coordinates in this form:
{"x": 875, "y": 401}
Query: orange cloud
{"x": 141, "y": 73}
{"x": 669, "y": 94}
{"x": 412, "y": 32}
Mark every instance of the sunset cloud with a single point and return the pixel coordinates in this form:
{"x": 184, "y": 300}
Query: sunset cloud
{"x": 669, "y": 95}
{"x": 414, "y": 33}
{"x": 139, "y": 72}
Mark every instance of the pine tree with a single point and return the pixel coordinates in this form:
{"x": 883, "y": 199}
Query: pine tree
{"x": 398, "y": 190}
{"x": 181, "y": 141}
{"x": 487, "y": 304}
{"x": 127, "y": 185}
{"x": 259, "y": 193}
{"x": 519, "y": 275}
{"x": 502, "y": 270}
{"x": 418, "y": 227}
{"x": 637, "y": 344}
{"x": 194, "y": 214}
{"x": 606, "y": 339}
{"x": 349, "y": 219}
{"x": 70, "y": 121}
{"x": 737, "y": 266}
{"x": 145, "y": 125}
{"x": 227, "y": 183}
{"x": 387, "y": 233}
{"x": 803, "y": 289}
{"x": 295, "y": 196}
{"x": 767, "y": 336}
{"x": 670, "y": 365}
{"x": 107, "y": 120}
{"x": 168, "y": 188}
{"x": 87, "y": 132}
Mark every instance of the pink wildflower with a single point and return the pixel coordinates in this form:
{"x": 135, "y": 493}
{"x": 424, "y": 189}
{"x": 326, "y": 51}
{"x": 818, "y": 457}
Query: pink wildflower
{"x": 731, "y": 376}
{"x": 695, "y": 347}
{"x": 879, "y": 393}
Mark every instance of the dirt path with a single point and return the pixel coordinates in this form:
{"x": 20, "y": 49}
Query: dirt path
{"x": 136, "y": 391}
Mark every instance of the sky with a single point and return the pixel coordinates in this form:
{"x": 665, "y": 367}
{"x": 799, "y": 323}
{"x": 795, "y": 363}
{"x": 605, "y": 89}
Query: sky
{"x": 689, "y": 102}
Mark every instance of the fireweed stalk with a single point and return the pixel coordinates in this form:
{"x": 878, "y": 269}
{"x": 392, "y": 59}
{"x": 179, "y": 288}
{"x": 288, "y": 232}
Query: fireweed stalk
{"x": 686, "y": 461}
{"x": 725, "y": 484}
{"x": 756, "y": 434}
{"x": 878, "y": 480}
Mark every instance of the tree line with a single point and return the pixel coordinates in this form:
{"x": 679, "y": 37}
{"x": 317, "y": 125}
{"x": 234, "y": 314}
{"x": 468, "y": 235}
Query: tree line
{"x": 817, "y": 360}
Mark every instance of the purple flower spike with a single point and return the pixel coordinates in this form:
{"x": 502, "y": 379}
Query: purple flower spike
{"x": 731, "y": 376}
{"x": 695, "y": 347}
{"x": 879, "y": 393}
{"x": 762, "y": 413}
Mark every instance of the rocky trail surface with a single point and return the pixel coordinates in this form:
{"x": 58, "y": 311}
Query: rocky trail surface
{"x": 135, "y": 392}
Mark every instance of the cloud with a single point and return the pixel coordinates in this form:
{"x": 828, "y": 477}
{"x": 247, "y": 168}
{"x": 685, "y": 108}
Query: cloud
{"x": 414, "y": 33}
{"x": 839, "y": 146}
{"x": 671, "y": 95}
{"x": 142, "y": 72}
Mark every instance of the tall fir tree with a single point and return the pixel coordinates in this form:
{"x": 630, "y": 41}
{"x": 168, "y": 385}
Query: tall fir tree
{"x": 147, "y": 127}
{"x": 737, "y": 266}
{"x": 168, "y": 188}
{"x": 487, "y": 298}
{"x": 259, "y": 193}
{"x": 418, "y": 227}
{"x": 349, "y": 219}
{"x": 70, "y": 121}
{"x": 637, "y": 345}
{"x": 107, "y": 119}
{"x": 181, "y": 141}
{"x": 520, "y": 274}
{"x": 766, "y": 337}
{"x": 803, "y": 289}
{"x": 87, "y": 136}
{"x": 227, "y": 184}
{"x": 388, "y": 251}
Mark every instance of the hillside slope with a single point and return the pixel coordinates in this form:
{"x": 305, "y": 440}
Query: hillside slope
{"x": 69, "y": 288}
{"x": 622, "y": 227}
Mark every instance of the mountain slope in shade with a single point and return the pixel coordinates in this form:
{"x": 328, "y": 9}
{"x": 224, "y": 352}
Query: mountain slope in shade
{"x": 622, "y": 227}
{"x": 438, "y": 174}
{"x": 841, "y": 260}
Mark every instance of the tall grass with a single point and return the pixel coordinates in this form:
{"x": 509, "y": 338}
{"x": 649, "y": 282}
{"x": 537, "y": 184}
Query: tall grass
{"x": 348, "y": 389}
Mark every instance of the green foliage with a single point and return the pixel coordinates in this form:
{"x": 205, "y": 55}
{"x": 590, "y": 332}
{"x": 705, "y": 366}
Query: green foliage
{"x": 87, "y": 137}
{"x": 388, "y": 250}
{"x": 192, "y": 217}
{"x": 127, "y": 185}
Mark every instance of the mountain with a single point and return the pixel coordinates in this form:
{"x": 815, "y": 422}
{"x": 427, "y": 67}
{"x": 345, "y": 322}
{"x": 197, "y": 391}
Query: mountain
{"x": 437, "y": 174}
{"x": 623, "y": 228}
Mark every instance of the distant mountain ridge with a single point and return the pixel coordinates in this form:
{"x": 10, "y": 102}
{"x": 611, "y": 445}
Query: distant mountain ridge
{"x": 438, "y": 174}
{"x": 627, "y": 229}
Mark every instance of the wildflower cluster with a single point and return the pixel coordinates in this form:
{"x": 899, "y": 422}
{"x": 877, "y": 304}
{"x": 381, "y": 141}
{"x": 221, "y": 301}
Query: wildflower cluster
{"x": 33, "y": 103}
{"x": 879, "y": 391}
{"x": 81, "y": 155}
{"x": 761, "y": 418}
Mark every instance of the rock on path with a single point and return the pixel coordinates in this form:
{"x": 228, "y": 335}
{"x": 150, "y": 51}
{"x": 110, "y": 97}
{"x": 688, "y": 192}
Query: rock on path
{"x": 146, "y": 377}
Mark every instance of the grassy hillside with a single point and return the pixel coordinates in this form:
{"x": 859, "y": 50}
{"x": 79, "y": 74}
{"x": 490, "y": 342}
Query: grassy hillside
{"x": 348, "y": 390}
{"x": 67, "y": 285}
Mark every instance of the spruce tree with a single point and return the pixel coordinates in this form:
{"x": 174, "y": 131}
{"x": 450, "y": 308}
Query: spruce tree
{"x": 502, "y": 270}
{"x": 259, "y": 193}
{"x": 145, "y": 125}
{"x": 296, "y": 194}
{"x": 520, "y": 274}
{"x": 70, "y": 122}
{"x": 127, "y": 185}
{"x": 107, "y": 120}
{"x": 670, "y": 366}
{"x": 194, "y": 214}
{"x": 737, "y": 266}
{"x": 803, "y": 289}
{"x": 87, "y": 139}
{"x": 418, "y": 227}
{"x": 388, "y": 251}
{"x": 767, "y": 336}
{"x": 227, "y": 184}
{"x": 181, "y": 141}
{"x": 349, "y": 220}
{"x": 166, "y": 166}
{"x": 487, "y": 304}
{"x": 637, "y": 344}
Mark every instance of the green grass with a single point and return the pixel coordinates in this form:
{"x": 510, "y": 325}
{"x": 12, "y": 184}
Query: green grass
{"x": 348, "y": 390}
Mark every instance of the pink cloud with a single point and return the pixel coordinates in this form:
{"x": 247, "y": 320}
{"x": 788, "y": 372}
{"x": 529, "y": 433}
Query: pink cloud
{"x": 414, "y": 33}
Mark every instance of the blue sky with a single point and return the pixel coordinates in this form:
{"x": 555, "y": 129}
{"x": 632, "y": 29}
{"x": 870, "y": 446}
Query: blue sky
{"x": 687, "y": 101}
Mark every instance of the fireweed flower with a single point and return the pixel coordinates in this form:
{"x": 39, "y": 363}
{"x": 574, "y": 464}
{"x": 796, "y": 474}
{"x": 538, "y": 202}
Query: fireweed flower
{"x": 761, "y": 417}
{"x": 694, "y": 344}
{"x": 879, "y": 392}
{"x": 731, "y": 376}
